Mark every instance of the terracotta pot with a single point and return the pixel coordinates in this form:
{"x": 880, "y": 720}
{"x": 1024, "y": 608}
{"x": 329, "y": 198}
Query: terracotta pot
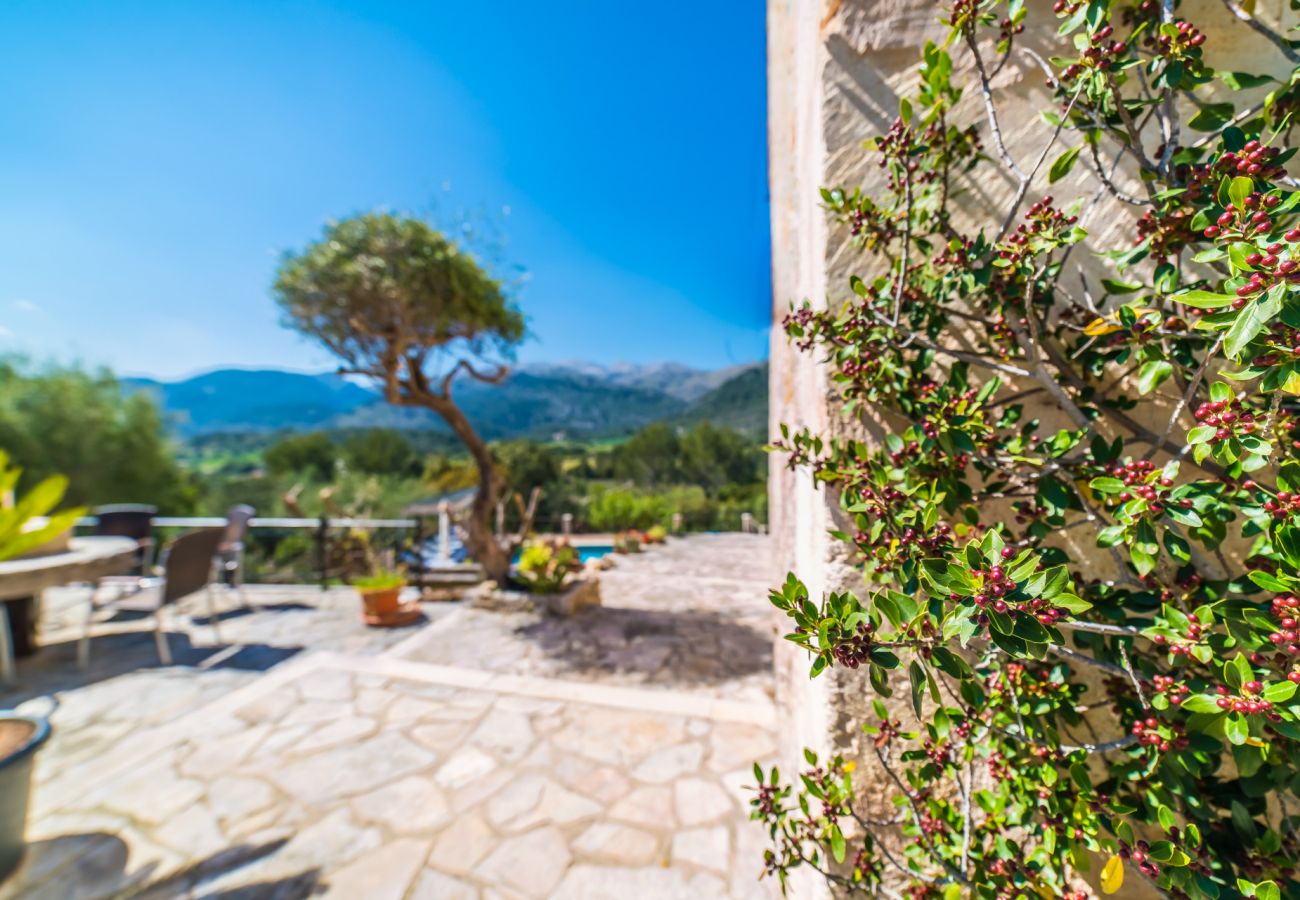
{"x": 380, "y": 603}
{"x": 20, "y": 738}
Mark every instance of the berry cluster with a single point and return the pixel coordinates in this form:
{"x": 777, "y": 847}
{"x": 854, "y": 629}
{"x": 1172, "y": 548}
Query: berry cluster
{"x": 995, "y": 587}
{"x": 1247, "y": 704}
{"x": 1252, "y": 219}
{"x": 1138, "y": 854}
{"x": 1283, "y": 504}
{"x": 1167, "y": 232}
{"x": 1182, "y": 44}
{"x": 1144, "y": 481}
{"x": 854, "y": 650}
{"x": 1192, "y": 635}
{"x": 1102, "y": 54}
{"x": 1253, "y": 159}
{"x": 1284, "y": 609}
{"x": 1174, "y": 690}
{"x": 1228, "y": 417}
{"x": 1042, "y": 222}
{"x": 1150, "y": 733}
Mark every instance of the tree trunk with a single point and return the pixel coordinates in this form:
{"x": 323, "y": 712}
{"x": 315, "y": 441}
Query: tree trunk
{"x": 482, "y": 543}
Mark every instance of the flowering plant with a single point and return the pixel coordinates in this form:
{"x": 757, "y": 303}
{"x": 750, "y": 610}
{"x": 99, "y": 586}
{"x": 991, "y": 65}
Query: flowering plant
{"x": 1080, "y": 534}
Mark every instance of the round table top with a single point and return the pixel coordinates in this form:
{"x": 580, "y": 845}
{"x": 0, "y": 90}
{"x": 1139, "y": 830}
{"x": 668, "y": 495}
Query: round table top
{"x": 86, "y": 559}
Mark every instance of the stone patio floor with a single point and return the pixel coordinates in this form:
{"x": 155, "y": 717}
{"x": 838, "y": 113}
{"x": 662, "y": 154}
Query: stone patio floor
{"x": 476, "y": 755}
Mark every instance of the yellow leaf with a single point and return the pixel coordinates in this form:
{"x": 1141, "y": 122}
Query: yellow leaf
{"x": 1248, "y": 6}
{"x": 1099, "y": 327}
{"x": 1112, "y": 875}
{"x": 850, "y": 766}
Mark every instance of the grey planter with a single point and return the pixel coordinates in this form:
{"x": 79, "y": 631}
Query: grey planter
{"x": 23, "y": 736}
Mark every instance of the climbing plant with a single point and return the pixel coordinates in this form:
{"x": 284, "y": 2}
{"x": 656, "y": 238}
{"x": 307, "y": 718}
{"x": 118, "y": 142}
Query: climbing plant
{"x": 1080, "y": 534}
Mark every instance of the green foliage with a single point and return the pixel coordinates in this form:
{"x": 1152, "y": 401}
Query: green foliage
{"x": 545, "y": 567}
{"x": 617, "y": 509}
{"x": 381, "y": 451}
{"x": 381, "y": 580}
{"x": 1093, "y": 621}
{"x": 18, "y": 533}
{"x": 376, "y": 278}
{"x": 313, "y": 455}
{"x": 110, "y": 445}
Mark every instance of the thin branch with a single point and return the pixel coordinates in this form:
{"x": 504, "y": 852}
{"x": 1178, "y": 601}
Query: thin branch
{"x": 1186, "y": 398}
{"x": 986, "y": 92}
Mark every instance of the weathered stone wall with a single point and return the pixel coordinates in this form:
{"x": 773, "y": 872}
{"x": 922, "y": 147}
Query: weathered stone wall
{"x": 836, "y": 69}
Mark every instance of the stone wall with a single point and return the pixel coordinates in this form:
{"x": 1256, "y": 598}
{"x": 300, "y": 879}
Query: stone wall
{"x": 836, "y": 69}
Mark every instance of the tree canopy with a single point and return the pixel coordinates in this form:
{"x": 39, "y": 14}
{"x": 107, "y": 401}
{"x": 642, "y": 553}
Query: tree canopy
{"x": 398, "y": 301}
{"x": 387, "y": 294}
{"x": 109, "y": 443}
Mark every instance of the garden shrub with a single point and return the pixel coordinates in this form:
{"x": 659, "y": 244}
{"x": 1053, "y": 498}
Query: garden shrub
{"x": 1130, "y": 708}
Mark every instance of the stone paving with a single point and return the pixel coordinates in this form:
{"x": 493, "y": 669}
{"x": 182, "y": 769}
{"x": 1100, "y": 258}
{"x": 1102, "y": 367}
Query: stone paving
{"x": 690, "y": 615}
{"x": 365, "y": 770}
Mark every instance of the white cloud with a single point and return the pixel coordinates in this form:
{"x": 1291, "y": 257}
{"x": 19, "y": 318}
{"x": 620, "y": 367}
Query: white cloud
{"x": 25, "y": 305}
{"x": 5, "y": 333}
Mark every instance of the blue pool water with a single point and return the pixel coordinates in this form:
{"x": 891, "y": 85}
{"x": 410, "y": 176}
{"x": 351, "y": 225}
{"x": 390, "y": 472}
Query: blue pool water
{"x": 594, "y": 551}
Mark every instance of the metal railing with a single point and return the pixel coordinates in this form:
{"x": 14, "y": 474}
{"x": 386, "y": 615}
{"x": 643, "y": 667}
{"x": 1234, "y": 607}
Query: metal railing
{"x": 320, "y": 527}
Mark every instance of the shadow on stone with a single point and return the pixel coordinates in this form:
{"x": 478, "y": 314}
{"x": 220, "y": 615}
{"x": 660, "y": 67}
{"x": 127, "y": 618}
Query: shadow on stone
{"x": 674, "y": 648}
{"x": 54, "y": 666}
{"x": 190, "y": 880}
{"x": 94, "y": 864}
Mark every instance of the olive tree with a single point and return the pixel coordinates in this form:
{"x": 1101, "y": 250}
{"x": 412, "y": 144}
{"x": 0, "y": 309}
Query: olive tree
{"x": 399, "y": 302}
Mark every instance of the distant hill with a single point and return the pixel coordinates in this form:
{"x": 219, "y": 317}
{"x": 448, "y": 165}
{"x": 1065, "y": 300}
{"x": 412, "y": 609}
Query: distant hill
{"x": 573, "y": 399}
{"x": 740, "y": 402}
{"x": 253, "y": 400}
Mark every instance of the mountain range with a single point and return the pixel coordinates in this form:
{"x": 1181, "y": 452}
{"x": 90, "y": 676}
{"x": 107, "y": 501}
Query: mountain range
{"x": 536, "y": 400}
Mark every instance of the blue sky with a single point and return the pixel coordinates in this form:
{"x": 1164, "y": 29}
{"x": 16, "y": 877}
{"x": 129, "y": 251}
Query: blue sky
{"x": 156, "y": 159}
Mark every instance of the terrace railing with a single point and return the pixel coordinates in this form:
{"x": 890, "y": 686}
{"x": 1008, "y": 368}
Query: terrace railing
{"x": 320, "y": 527}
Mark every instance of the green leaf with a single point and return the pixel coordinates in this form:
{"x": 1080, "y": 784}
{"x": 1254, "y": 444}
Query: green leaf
{"x": 837, "y": 843}
{"x": 1063, "y": 164}
{"x": 1152, "y": 374}
{"x": 1236, "y": 729}
{"x": 1279, "y": 691}
{"x": 1204, "y": 299}
{"x": 1237, "y": 671}
{"x": 1106, "y": 485}
{"x": 1269, "y": 582}
{"x": 1257, "y": 316}
{"x": 1201, "y": 703}
{"x": 1239, "y": 189}
{"x": 916, "y": 675}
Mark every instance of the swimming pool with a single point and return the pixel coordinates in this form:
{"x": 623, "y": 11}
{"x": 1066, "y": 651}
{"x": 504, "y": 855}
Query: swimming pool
{"x": 585, "y": 552}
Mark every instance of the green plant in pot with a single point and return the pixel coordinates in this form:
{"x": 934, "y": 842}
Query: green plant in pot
{"x": 545, "y": 568}
{"x": 380, "y": 595}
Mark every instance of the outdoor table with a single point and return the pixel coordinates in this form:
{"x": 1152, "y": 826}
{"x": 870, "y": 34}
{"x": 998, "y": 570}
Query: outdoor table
{"x": 22, "y": 580}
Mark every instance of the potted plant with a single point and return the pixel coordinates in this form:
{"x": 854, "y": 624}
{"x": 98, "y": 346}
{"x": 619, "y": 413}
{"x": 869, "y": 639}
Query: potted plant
{"x": 552, "y": 572}
{"x": 381, "y": 601}
{"x": 20, "y": 738}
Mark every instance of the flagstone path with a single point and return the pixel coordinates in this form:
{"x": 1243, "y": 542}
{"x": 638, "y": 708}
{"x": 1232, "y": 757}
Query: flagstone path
{"x": 371, "y": 771}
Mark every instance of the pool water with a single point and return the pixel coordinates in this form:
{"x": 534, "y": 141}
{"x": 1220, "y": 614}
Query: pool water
{"x": 585, "y": 552}
{"x": 594, "y": 552}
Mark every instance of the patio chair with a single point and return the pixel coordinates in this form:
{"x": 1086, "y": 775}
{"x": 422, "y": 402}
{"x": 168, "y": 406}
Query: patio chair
{"x": 132, "y": 520}
{"x": 230, "y": 555}
{"x": 188, "y": 564}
